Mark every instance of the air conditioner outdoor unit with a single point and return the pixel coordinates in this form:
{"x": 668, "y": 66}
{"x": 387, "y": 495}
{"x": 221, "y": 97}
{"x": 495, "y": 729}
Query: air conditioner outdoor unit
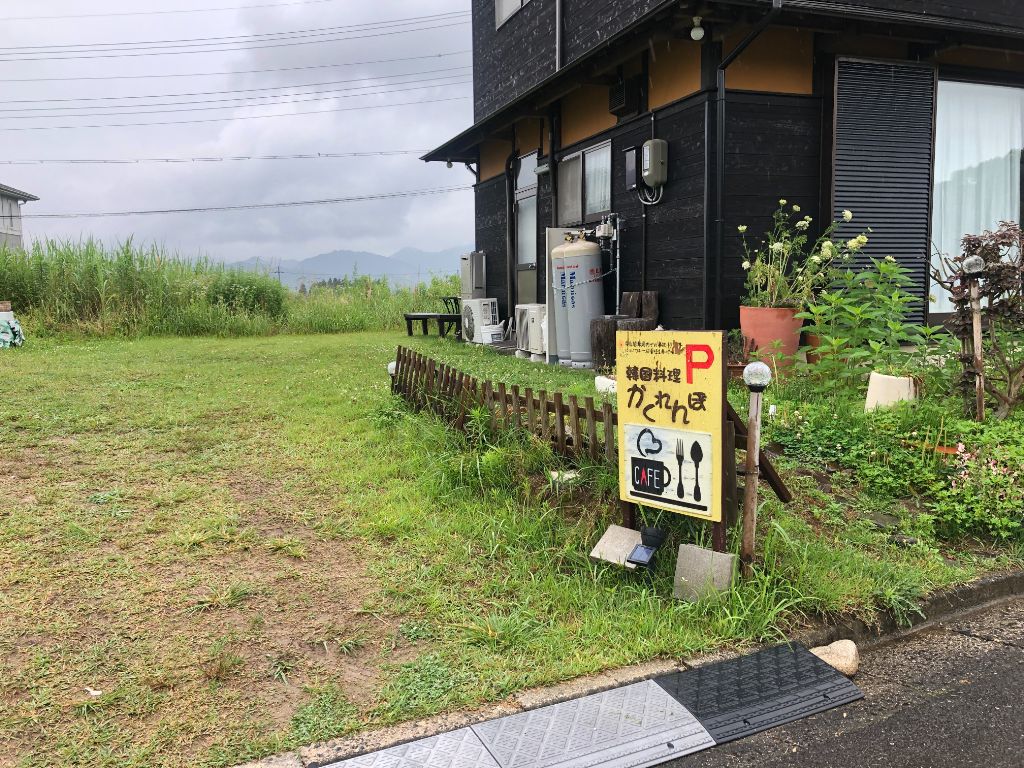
{"x": 473, "y": 274}
{"x": 537, "y": 336}
{"x": 523, "y": 330}
{"x": 530, "y": 328}
{"x": 480, "y": 321}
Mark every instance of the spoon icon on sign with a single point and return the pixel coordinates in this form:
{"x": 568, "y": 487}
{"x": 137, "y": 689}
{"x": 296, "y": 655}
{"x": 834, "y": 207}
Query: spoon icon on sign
{"x": 697, "y": 456}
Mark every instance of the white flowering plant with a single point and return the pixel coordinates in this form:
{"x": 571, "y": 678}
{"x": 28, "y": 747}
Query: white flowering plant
{"x": 787, "y": 267}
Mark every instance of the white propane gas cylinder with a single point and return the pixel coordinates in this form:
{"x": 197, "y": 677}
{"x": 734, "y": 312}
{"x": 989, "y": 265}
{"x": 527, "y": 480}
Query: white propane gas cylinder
{"x": 581, "y": 262}
{"x": 560, "y": 285}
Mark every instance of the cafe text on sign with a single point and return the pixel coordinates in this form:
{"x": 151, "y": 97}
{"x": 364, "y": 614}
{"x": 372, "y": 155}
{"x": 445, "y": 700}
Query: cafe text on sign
{"x": 671, "y": 402}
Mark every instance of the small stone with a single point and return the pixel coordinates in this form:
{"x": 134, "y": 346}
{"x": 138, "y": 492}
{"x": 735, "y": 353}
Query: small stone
{"x": 700, "y": 572}
{"x": 842, "y": 655}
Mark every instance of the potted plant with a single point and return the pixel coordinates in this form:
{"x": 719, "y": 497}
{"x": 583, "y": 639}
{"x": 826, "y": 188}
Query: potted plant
{"x": 783, "y": 273}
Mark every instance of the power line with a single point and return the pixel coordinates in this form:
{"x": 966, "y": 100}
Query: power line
{"x": 239, "y": 72}
{"x": 250, "y": 206}
{"x": 188, "y": 41}
{"x": 276, "y": 100}
{"x": 234, "y": 90}
{"x": 234, "y": 158}
{"x": 233, "y": 117}
{"x": 161, "y": 13}
{"x": 237, "y": 48}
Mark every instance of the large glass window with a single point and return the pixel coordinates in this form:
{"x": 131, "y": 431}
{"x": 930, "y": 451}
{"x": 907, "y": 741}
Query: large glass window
{"x": 585, "y": 185}
{"x": 978, "y": 144}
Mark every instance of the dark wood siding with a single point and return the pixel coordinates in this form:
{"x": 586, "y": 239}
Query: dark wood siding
{"x": 510, "y": 60}
{"x": 773, "y": 152}
{"x": 675, "y": 228}
{"x": 491, "y": 216}
{"x": 884, "y": 139}
{"x": 590, "y": 23}
{"x": 519, "y": 55}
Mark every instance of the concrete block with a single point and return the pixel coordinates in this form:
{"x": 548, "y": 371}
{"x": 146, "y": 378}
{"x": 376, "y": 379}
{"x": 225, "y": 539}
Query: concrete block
{"x": 616, "y": 545}
{"x": 700, "y": 572}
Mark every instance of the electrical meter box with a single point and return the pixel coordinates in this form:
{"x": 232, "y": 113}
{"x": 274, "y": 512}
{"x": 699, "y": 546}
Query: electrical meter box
{"x": 654, "y": 163}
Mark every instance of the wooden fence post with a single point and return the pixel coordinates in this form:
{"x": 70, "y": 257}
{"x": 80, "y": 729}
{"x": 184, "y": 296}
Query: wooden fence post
{"x": 592, "y": 446}
{"x": 559, "y": 422}
{"x": 545, "y": 423}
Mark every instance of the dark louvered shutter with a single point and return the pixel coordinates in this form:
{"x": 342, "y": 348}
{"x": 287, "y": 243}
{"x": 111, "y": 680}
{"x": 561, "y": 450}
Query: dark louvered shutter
{"x": 884, "y": 147}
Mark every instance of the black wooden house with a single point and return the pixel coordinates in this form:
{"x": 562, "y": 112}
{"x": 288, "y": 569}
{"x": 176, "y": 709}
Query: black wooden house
{"x": 908, "y": 112}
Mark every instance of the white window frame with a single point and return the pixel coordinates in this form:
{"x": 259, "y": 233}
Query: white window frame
{"x": 498, "y": 20}
{"x": 586, "y": 218}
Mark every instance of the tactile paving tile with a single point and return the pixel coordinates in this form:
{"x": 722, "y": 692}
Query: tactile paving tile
{"x": 631, "y": 727}
{"x": 458, "y": 749}
{"x": 740, "y": 697}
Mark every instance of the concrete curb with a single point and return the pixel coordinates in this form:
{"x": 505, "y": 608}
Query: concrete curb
{"x": 940, "y": 607}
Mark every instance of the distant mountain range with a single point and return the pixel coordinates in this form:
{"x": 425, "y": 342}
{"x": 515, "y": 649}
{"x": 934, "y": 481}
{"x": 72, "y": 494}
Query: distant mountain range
{"x": 402, "y": 268}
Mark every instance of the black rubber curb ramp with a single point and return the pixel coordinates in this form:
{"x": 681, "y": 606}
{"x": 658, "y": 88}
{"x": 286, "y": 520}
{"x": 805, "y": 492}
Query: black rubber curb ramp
{"x": 737, "y": 698}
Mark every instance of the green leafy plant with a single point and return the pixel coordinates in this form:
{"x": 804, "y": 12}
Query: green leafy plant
{"x": 860, "y": 323}
{"x": 983, "y": 495}
{"x": 787, "y": 267}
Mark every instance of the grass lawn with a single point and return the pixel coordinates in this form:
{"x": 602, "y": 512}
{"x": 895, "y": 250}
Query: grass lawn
{"x": 213, "y": 550}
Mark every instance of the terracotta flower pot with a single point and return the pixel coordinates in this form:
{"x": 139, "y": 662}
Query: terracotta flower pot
{"x": 813, "y": 341}
{"x": 773, "y": 332}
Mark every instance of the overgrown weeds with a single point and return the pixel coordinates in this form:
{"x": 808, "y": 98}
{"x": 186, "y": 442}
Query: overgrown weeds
{"x": 127, "y": 290}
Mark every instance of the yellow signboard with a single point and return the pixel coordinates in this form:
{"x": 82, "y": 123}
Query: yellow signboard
{"x": 671, "y": 402}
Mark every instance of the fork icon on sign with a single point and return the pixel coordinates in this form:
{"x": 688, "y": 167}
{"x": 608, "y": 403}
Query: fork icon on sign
{"x": 680, "y": 457}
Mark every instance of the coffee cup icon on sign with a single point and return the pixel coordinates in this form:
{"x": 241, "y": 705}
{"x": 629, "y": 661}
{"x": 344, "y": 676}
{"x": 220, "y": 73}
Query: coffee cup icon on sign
{"x": 650, "y": 477}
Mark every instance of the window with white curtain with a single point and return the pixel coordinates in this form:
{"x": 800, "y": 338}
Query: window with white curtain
{"x": 597, "y": 176}
{"x": 978, "y": 144}
{"x": 570, "y": 191}
{"x": 585, "y": 185}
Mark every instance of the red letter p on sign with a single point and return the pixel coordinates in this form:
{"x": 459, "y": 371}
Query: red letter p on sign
{"x": 693, "y": 364}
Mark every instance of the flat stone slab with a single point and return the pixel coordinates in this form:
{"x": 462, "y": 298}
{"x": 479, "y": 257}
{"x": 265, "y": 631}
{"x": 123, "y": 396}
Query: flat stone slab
{"x": 700, "y": 572}
{"x": 616, "y": 545}
{"x": 456, "y": 749}
{"x": 634, "y": 726}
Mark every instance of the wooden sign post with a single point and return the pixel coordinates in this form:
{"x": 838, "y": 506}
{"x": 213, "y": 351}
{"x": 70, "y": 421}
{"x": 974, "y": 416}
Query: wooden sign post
{"x": 672, "y": 415}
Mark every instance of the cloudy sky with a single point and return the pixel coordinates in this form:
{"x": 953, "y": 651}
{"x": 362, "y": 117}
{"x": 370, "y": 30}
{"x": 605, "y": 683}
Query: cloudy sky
{"x": 337, "y": 57}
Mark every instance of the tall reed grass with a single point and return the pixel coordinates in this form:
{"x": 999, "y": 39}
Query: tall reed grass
{"x": 60, "y": 287}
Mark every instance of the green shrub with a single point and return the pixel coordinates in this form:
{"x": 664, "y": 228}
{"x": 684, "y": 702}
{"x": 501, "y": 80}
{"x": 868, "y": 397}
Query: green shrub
{"x": 983, "y": 496}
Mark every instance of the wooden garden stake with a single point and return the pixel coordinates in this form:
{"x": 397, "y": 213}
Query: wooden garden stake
{"x": 757, "y": 377}
{"x": 974, "y": 267}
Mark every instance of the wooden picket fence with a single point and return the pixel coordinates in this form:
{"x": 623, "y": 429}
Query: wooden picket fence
{"x": 572, "y": 428}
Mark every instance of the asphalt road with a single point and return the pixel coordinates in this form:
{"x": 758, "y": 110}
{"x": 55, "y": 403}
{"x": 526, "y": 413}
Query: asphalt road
{"x": 947, "y": 698}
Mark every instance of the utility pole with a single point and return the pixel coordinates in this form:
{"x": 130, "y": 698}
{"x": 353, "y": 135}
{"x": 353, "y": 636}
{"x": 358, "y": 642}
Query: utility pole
{"x": 279, "y": 274}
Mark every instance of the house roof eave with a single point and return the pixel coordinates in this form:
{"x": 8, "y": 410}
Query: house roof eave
{"x": 17, "y": 194}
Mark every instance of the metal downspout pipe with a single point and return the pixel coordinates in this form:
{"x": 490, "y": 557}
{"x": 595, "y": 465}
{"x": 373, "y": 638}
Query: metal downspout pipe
{"x": 510, "y": 237}
{"x": 558, "y": 35}
{"x": 713, "y": 301}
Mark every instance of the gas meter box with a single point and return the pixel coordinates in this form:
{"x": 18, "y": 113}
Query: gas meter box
{"x": 654, "y": 163}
